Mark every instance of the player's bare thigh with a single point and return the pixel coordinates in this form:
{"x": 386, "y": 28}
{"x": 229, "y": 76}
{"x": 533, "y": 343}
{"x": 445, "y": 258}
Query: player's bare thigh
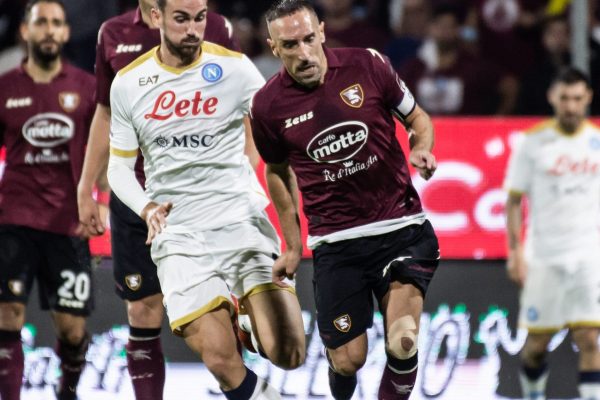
{"x": 277, "y": 321}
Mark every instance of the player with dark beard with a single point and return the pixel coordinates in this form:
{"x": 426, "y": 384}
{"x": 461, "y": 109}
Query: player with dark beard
{"x": 46, "y": 106}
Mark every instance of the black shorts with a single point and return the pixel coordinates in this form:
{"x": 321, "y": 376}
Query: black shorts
{"x": 61, "y": 264}
{"x": 133, "y": 269}
{"x": 347, "y": 274}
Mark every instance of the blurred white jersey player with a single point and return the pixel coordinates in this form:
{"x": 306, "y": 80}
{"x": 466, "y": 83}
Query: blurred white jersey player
{"x": 183, "y": 104}
{"x": 557, "y": 166}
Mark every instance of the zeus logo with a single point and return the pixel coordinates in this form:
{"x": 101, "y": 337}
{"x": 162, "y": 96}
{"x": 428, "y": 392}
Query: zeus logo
{"x": 297, "y": 120}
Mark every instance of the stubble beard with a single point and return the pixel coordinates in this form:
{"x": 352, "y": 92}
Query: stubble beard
{"x": 187, "y": 54}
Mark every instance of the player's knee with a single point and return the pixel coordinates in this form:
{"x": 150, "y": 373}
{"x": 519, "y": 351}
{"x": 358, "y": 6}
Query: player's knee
{"x": 349, "y": 363}
{"x": 586, "y": 340}
{"x": 12, "y": 316}
{"x": 145, "y": 314}
{"x": 289, "y": 356}
{"x": 403, "y": 338}
{"x": 535, "y": 349}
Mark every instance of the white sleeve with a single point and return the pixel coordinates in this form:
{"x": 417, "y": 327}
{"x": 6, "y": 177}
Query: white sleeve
{"x": 520, "y": 167}
{"x": 122, "y": 180}
{"x": 253, "y": 82}
{"x": 124, "y": 151}
{"x": 123, "y": 140}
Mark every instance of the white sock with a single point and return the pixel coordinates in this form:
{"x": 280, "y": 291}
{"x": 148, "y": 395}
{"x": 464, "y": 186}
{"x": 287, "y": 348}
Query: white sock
{"x": 264, "y": 391}
{"x": 533, "y": 389}
{"x": 589, "y": 391}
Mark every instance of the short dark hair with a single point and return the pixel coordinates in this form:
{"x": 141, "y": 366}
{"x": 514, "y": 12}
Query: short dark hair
{"x": 283, "y": 8}
{"x": 161, "y": 4}
{"x": 571, "y": 76}
{"x": 32, "y": 3}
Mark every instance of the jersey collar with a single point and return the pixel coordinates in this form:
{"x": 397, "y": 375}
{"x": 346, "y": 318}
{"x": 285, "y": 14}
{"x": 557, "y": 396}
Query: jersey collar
{"x": 332, "y": 62}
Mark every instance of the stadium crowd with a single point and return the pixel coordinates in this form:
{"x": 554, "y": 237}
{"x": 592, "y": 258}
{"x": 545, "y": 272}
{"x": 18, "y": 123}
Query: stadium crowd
{"x": 453, "y": 53}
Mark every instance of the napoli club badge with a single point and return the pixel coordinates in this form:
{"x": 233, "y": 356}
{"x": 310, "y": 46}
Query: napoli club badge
{"x": 212, "y": 72}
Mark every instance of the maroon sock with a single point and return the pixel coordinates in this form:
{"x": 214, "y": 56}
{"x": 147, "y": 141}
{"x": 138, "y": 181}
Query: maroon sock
{"x": 398, "y": 378}
{"x": 72, "y": 363}
{"x": 146, "y": 363}
{"x": 11, "y": 365}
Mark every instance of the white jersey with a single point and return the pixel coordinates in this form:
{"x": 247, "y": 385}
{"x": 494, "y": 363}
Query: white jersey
{"x": 188, "y": 124}
{"x": 560, "y": 174}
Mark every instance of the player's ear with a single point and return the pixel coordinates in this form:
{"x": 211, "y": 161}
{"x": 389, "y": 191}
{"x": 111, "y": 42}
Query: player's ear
{"x": 322, "y": 31}
{"x": 274, "y": 50}
{"x": 24, "y": 31}
{"x": 67, "y": 32}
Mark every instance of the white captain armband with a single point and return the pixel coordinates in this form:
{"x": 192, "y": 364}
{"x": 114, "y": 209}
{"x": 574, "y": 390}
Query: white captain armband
{"x": 408, "y": 103}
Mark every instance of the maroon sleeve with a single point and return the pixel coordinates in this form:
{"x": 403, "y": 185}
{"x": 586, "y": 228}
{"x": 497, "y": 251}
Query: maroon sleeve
{"x": 220, "y": 31}
{"x": 104, "y": 72}
{"x": 386, "y": 79}
{"x": 266, "y": 138}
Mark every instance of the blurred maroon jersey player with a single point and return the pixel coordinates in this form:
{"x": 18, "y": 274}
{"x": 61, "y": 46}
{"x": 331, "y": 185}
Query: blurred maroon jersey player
{"x": 325, "y": 124}
{"x": 46, "y": 107}
{"x": 121, "y": 40}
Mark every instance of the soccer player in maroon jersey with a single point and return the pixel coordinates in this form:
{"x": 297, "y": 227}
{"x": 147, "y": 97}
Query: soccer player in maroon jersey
{"x": 46, "y": 106}
{"x": 325, "y": 124}
{"x": 121, "y": 40}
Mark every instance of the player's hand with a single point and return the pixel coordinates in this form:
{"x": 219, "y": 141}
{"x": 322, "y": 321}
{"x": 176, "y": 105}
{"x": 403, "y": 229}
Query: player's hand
{"x": 424, "y": 162}
{"x": 516, "y": 266}
{"x": 92, "y": 223}
{"x": 285, "y": 267}
{"x": 155, "y": 216}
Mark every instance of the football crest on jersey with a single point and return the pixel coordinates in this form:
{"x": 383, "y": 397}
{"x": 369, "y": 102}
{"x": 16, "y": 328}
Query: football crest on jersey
{"x": 134, "y": 281}
{"x": 212, "y": 72}
{"x": 69, "y": 101}
{"x": 16, "y": 287}
{"x": 353, "y": 95}
{"x": 343, "y": 323}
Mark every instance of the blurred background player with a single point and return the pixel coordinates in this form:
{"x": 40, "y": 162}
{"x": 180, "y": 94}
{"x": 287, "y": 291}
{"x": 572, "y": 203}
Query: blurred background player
{"x": 203, "y": 204}
{"x": 46, "y": 106}
{"x": 122, "y": 39}
{"x": 557, "y": 166}
{"x": 328, "y": 119}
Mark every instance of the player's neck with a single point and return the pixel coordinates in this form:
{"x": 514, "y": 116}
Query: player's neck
{"x": 42, "y": 73}
{"x": 174, "y": 61}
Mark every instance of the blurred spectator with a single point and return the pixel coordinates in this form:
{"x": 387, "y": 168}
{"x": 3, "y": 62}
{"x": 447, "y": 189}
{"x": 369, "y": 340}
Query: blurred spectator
{"x": 508, "y": 32}
{"x": 244, "y": 32}
{"x": 266, "y": 62}
{"x": 11, "y": 12}
{"x": 556, "y": 54}
{"x": 408, "y": 19}
{"x": 344, "y": 29}
{"x": 448, "y": 80}
{"x": 85, "y": 18}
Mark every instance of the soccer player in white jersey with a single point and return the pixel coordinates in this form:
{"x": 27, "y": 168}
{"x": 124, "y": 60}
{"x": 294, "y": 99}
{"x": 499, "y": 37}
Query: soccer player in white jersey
{"x": 183, "y": 105}
{"x": 557, "y": 166}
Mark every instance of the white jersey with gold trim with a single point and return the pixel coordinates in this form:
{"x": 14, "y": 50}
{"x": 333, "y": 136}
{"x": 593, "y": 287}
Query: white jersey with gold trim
{"x": 560, "y": 174}
{"x": 188, "y": 124}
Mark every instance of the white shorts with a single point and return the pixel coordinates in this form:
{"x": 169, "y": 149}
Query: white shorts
{"x": 199, "y": 271}
{"x": 562, "y": 292}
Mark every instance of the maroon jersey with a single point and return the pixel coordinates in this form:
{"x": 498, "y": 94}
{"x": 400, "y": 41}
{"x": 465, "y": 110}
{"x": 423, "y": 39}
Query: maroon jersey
{"x": 340, "y": 140}
{"x": 125, "y": 37}
{"x": 45, "y": 129}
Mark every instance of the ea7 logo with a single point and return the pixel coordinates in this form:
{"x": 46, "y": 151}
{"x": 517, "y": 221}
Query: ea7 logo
{"x": 353, "y": 96}
{"x": 297, "y": 120}
{"x": 148, "y": 80}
